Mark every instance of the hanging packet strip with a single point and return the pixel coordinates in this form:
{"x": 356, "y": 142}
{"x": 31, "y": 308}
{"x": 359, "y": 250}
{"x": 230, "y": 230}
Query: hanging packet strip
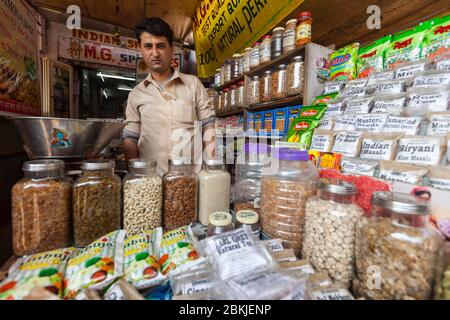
{"x": 45, "y": 269}
{"x": 421, "y": 150}
{"x": 411, "y": 69}
{"x": 334, "y": 86}
{"x": 359, "y": 166}
{"x": 323, "y": 140}
{"x": 393, "y": 104}
{"x": 437, "y": 39}
{"x": 301, "y": 132}
{"x": 380, "y": 76}
{"x": 406, "y": 46}
{"x": 313, "y": 112}
{"x": 371, "y": 57}
{"x": 358, "y": 105}
{"x": 343, "y": 63}
{"x": 432, "y": 79}
{"x": 406, "y": 125}
{"x": 372, "y": 122}
{"x": 380, "y": 146}
{"x": 327, "y": 123}
{"x": 348, "y": 143}
{"x": 325, "y": 98}
{"x": 402, "y": 172}
{"x": 439, "y": 177}
{"x": 424, "y": 100}
{"x": 345, "y": 123}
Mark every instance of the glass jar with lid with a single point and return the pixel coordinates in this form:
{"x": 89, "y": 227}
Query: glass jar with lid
{"x": 253, "y": 91}
{"x": 233, "y": 91}
{"x": 41, "y": 208}
{"x": 330, "y": 227}
{"x": 278, "y": 90}
{"x": 398, "y": 244}
{"x": 96, "y": 201}
{"x": 217, "y": 81}
{"x": 246, "y": 60}
{"x": 214, "y": 190}
{"x": 295, "y": 76}
{"x": 180, "y": 195}
{"x": 142, "y": 197}
{"x": 265, "y": 87}
{"x": 218, "y": 102}
{"x": 235, "y": 65}
{"x": 265, "y": 49}
{"x": 289, "y": 36}
{"x": 277, "y": 42}
{"x": 304, "y": 24}
{"x": 226, "y": 71}
{"x": 286, "y": 186}
{"x": 241, "y": 65}
{"x": 250, "y": 218}
{"x": 226, "y": 100}
{"x": 219, "y": 222}
{"x": 240, "y": 98}
{"x": 254, "y": 56}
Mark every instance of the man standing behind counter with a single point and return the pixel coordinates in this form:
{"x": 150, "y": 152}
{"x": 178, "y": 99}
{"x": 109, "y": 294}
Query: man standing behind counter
{"x": 169, "y": 110}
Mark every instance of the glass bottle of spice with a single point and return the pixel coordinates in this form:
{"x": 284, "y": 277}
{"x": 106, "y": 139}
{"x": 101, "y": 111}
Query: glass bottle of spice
{"x": 254, "y": 56}
{"x": 217, "y": 81}
{"x": 240, "y": 102}
{"x": 304, "y": 25}
{"x": 247, "y": 59}
{"x": 41, "y": 208}
{"x": 253, "y": 91}
{"x": 235, "y": 65}
{"x": 250, "y": 218}
{"x": 219, "y": 222}
{"x": 279, "y": 83}
{"x": 277, "y": 42}
{"x": 265, "y": 49}
{"x": 295, "y": 72}
{"x": 233, "y": 95}
{"x": 265, "y": 87}
{"x": 289, "y": 37}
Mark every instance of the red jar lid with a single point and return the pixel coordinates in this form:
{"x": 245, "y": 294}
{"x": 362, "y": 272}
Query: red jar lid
{"x": 304, "y": 15}
{"x": 268, "y": 36}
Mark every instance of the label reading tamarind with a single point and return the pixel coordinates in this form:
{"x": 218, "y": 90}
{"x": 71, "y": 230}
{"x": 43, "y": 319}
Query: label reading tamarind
{"x": 407, "y": 125}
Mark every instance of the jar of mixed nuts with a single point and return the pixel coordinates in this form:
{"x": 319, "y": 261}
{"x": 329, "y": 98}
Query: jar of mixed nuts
{"x": 284, "y": 195}
{"x": 254, "y": 56}
{"x": 219, "y": 222}
{"x": 265, "y": 49}
{"x": 235, "y": 65}
{"x": 180, "y": 195}
{"x": 253, "y": 91}
{"x": 41, "y": 208}
{"x": 289, "y": 37}
{"x": 250, "y": 218}
{"x": 295, "y": 75}
{"x": 142, "y": 197}
{"x": 96, "y": 201}
{"x": 396, "y": 250}
{"x": 330, "y": 226}
{"x": 246, "y": 60}
{"x": 265, "y": 87}
{"x": 277, "y": 42}
{"x": 278, "y": 90}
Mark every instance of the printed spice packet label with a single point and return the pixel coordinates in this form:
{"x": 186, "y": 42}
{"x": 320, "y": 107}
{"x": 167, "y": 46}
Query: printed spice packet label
{"x": 394, "y": 106}
{"x": 197, "y": 286}
{"x": 274, "y": 245}
{"x": 371, "y": 122}
{"x": 443, "y": 184}
{"x": 391, "y": 86}
{"x": 354, "y": 92}
{"x": 357, "y": 83}
{"x": 358, "y": 106}
{"x": 409, "y": 70}
{"x": 443, "y": 65}
{"x": 439, "y": 125}
{"x": 334, "y": 108}
{"x": 334, "y": 86}
{"x": 326, "y": 123}
{"x": 348, "y": 143}
{"x": 358, "y": 166}
{"x": 420, "y": 151}
{"x": 436, "y": 101}
{"x": 331, "y": 294}
{"x": 345, "y": 122}
{"x": 322, "y": 142}
{"x": 382, "y": 76}
{"x": 407, "y": 125}
{"x": 406, "y": 177}
{"x": 378, "y": 149}
{"x": 432, "y": 80}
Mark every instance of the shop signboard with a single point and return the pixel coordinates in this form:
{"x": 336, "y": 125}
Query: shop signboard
{"x": 224, "y": 27}
{"x": 19, "y": 78}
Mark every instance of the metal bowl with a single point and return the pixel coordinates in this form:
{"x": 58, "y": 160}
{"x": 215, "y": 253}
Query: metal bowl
{"x": 65, "y": 138}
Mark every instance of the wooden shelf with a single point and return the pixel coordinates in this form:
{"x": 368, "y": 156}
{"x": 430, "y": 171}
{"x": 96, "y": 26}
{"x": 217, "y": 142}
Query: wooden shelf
{"x": 229, "y": 113}
{"x": 230, "y": 83}
{"x": 276, "y": 104}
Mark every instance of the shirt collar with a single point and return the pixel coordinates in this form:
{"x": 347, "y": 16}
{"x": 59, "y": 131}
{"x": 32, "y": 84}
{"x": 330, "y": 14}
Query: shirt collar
{"x": 176, "y": 75}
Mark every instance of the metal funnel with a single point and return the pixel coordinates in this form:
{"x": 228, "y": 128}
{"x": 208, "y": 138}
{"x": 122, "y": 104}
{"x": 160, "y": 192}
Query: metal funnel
{"x": 65, "y": 138}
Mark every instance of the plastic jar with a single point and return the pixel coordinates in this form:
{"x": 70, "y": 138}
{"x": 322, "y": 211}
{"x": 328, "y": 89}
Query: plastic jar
{"x": 246, "y": 60}
{"x": 295, "y": 76}
{"x": 278, "y": 90}
{"x": 233, "y": 91}
{"x": 41, "y": 208}
{"x": 247, "y": 187}
{"x": 214, "y": 190}
{"x": 304, "y": 24}
{"x": 217, "y": 80}
{"x": 277, "y": 42}
{"x": 241, "y": 65}
{"x": 235, "y": 65}
{"x": 265, "y": 87}
{"x": 289, "y": 36}
{"x": 284, "y": 195}
{"x": 226, "y": 100}
{"x": 254, "y": 56}
{"x": 330, "y": 227}
{"x": 250, "y": 218}
{"x": 253, "y": 91}
{"x": 265, "y": 49}
{"x": 142, "y": 197}
{"x": 96, "y": 201}
{"x": 218, "y": 102}
{"x": 219, "y": 222}
{"x": 397, "y": 243}
{"x": 227, "y": 71}
{"x": 180, "y": 195}
{"x": 240, "y": 98}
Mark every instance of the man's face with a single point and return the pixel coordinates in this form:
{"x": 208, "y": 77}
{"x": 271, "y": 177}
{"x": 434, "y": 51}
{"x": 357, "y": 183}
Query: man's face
{"x": 156, "y": 51}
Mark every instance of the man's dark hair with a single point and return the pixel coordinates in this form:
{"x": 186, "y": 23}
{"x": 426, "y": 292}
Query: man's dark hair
{"x": 155, "y": 26}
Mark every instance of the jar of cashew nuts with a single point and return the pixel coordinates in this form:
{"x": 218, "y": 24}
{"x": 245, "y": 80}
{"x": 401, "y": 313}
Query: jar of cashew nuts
{"x": 330, "y": 226}
{"x": 142, "y": 196}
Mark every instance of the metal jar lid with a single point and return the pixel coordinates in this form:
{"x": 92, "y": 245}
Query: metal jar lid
{"x": 43, "y": 165}
{"x": 91, "y": 165}
{"x": 220, "y": 219}
{"x": 214, "y": 162}
{"x": 337, "y": 186}
{"x": 282, "y": 66}
{"x": 400, "y": 203}
{"x": 180, "y": 162}
{"x": 142, "y": 163}
{"x": 247, "y": 217}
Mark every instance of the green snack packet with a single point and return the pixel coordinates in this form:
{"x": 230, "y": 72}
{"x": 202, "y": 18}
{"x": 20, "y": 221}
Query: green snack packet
{"x": 437, "y": 39}
{"x": 343, "y": 63}
{"x": 371, "y": 57}
{"x": 324, "y": 99}
{"x": 406, "y": 46}
{"x": 314, "y": 112}
{"x": 301, "y": 132}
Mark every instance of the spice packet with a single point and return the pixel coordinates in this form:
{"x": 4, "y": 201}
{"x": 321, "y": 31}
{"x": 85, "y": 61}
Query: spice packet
{"x": 325, "y": 98}
{"x": 421, "y": 150}
{"x": 356, "y": 83}
{"x": 332, "y": 292}
{"x": 122, "y": 290}
{"x": 177, "y": 252}
{"x": 323, "y": 140}
{"x": 348, "y": 143}
{"x": 439, "y": 123}
{"x": 343, "y": 63}
{"x": 402, "y": 172}
{"x": 45, "y": 270}
{"x": 407, "y": 125}
{"x": 380, "y": 146}
{"x": 380, "y": 76}
{"x": 286, "y": 255}
{"x": 302, "y": 266}
{"x": 301, "y": 132}
{"x": 439, "y": 177}
{"x": 327, "y": 123}
{"x": 345, "y": 123}
{"x": 406, "y": 46}
{"x": 391, "y": 86}
{"x": 358, "y": 167}
{"x": 393, "y": 104}
{"x": 372, "y": 122}
{"x": 141, "y": 262}
{"x": 371, "y": 57}
{"x": 442, "y": 62}
{"x": 313, "y": 112}
{"x": 95, "y": 266}
{"x": 236, "y": 252}
{"x": 412, "y": 69}
{"x": 274, "y": 245}
{"x": 437, "y": 39}
{"x": 334, "y": 86}
{"x": 192, "y": 282}
{"x": 354, "y": 92}
{"x": 319, "y": 279}
{"x": 358, "y": 105}
{"x": 424, "y": 100}
{"x": 335, "y": 107}
{"x": 433, "y": 78}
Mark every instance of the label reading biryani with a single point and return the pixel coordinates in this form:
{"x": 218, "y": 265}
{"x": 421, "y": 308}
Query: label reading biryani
{"x": 420, "y": 150}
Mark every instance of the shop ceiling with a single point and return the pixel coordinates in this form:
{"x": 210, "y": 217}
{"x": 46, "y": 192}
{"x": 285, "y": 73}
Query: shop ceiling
{"x": 337, "y": 22}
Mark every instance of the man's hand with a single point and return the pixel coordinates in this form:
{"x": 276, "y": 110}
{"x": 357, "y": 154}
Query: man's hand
{"x": 131, "y": 149}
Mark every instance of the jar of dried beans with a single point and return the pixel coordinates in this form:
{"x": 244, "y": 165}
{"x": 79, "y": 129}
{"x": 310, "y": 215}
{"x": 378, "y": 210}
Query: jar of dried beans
{"x": 278, "y": 90}
{"x": 253, "y": 91}
{"x": 265, "y": 87}
{"x": 295, "y": 76}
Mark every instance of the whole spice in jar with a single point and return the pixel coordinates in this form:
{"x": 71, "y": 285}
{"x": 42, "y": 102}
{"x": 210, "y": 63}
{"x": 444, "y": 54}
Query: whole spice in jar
{"x": 265, "y": 87}
{"x": 330, "y": 227}
{"x": 289, "y": 36}
{"x": 253, "y": 91}
{"x": 295, "y": 75}
{"x": 279, "y": 83}
{"x": 41, "y": 208}
{"x": 305, "y": 21}
{"x": 265, "y": 49}
{"x": 254, "y": 56}
{"x": 277, "y": 42}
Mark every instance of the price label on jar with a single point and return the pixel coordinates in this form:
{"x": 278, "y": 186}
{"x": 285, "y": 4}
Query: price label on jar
{"x": 420, "y": 150}
{"x": 371, "y": 122}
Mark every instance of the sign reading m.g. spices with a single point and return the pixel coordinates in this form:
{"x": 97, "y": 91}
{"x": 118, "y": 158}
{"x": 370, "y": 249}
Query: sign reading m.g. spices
{"x": 224, "y": 27}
